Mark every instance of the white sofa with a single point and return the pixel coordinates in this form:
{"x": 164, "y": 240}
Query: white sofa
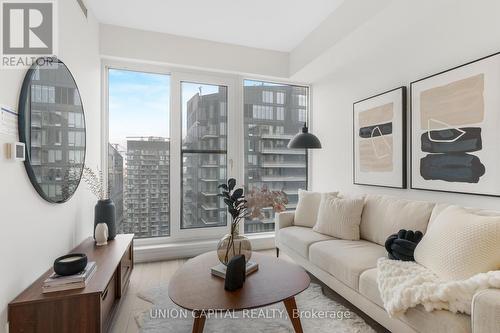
{"x": 349, "y": 267}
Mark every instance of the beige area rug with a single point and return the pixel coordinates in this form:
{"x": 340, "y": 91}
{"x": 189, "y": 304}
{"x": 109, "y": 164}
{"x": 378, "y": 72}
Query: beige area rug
{"x": 165, "y": 316}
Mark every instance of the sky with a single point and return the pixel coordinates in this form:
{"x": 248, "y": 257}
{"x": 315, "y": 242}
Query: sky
{"x": 139, "y": 104}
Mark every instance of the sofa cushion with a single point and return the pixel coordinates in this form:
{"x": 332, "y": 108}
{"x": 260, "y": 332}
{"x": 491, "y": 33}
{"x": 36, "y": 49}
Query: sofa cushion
{"x": 306, "y": 212}
{"x": 300, "y": 238}
{"x": 339, "y": 217}
{"x": 385, "y": 215}
{"x": 345, "y": 259}
{"x": 460, "y": 244}
{"x": 436, "y": 321}
{"x": 440, "y": 207}
{"x": 417, "y": 317}
{"x": 368, "y": 286}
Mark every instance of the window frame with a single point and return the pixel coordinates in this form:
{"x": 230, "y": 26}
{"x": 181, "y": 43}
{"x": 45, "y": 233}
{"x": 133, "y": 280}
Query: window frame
{"x": 235, "y": 156}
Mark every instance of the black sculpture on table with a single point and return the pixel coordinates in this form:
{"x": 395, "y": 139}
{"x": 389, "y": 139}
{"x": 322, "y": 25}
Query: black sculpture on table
{"x": 235, "y": 273}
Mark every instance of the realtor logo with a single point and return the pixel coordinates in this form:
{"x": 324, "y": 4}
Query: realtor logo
{"x": 28, "y": 31}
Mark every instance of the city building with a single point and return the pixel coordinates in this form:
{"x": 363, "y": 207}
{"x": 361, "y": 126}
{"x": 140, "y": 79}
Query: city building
{"x": 147, "y": 198}
{"x": 273, "y": 115}
{"x": 204, "y": 160}
{"x": 115, "y": 184}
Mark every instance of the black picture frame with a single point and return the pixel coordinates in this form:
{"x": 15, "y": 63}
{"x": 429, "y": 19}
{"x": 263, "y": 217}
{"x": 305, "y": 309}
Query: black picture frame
{"x": 404, "y": 158}
{"x": 411, "y": 95}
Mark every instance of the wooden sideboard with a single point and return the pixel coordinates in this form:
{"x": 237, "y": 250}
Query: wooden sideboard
{"x": 89, "y": 309}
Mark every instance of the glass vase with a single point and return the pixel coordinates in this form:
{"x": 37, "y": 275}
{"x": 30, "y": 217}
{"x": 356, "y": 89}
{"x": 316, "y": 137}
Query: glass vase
{"x": 232, "y": 245}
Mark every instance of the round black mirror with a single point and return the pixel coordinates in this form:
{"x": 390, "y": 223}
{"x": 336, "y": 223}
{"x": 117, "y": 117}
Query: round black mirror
{"x": 52, "y": 126}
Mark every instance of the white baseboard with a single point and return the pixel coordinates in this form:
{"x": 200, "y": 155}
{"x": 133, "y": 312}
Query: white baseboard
{"x": 158, "y": 252}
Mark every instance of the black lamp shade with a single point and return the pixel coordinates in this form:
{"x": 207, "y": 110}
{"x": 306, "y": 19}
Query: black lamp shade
{"x": 304, "y": 140}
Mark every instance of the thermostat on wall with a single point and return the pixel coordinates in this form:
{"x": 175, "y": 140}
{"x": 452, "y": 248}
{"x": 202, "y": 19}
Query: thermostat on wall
{"x": 16, "y": 151}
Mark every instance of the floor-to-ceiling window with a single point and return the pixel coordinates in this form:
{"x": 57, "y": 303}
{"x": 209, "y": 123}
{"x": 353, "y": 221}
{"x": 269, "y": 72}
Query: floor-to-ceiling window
{"x": 174, "y": 137}
{"x": 139, "y": 151}
{"x": 273, "y": 114}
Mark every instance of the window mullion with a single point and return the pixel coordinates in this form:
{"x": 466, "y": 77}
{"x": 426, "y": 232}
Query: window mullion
{"x": 175, "y": 155}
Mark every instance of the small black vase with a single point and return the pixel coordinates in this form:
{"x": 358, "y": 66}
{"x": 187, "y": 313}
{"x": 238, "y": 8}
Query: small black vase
{"x": 104, "y": 212}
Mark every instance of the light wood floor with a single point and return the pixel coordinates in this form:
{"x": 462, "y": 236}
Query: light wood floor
{"x": 148, "y": 275}
{"x": 145, "y": 276}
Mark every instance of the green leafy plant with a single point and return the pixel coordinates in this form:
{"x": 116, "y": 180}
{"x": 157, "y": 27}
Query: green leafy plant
{"x": 235, "y": 202}
{"x": 236, "y": 206}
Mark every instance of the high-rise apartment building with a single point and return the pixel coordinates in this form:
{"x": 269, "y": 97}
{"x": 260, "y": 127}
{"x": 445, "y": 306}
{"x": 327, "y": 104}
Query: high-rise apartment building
{"x": 139, "y": 174}
{"x": 273, "y": 115}
{"x": 147, "y": 198}
{"x": 204, "y": 160}
{"x": 115, "y": 183}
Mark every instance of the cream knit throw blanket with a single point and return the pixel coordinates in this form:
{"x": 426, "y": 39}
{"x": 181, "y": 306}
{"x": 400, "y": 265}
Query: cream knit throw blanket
{"x": 405, "y": 284}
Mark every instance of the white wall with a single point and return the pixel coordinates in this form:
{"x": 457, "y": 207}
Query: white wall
{"x": 156, "y": 47}
{"x": 408, "y": 40}
{"x": 342, "y": 22}
{"x": 33, "y": 231}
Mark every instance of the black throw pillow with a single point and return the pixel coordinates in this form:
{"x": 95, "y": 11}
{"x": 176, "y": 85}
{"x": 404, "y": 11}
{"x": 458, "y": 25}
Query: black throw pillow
{"x": 401, "y": 246}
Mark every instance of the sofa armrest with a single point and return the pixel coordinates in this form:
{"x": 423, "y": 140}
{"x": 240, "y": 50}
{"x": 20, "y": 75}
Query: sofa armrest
{"x": 283, "y": 220}
{"x": 486, "y": 311}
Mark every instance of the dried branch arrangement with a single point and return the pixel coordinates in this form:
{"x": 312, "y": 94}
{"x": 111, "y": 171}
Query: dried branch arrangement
{"x": 259, "y": 198}
{"x": 95, "y": 182}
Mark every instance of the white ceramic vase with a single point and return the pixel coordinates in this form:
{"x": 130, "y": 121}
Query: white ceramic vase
{"x": 101, "y": 234}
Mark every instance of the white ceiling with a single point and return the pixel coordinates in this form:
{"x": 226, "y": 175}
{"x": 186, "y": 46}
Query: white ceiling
{"x": 270, "y": 24}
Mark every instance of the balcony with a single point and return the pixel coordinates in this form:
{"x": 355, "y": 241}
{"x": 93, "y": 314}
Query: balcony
{"x": 209, "y": 208}
{"x": 209, "y": 194}
{"x": 210, "y": 166}
{"x": 210, "y": 222}
{"x": 288, "y": 206}
{"x": 283, "y": 165}
{"x": 291, "y": 192}
{"x": 283, "y": 178}
{"x": 276, "y": 136}
{"x": 209, "y": 136}
{"x": 282, "y": 151}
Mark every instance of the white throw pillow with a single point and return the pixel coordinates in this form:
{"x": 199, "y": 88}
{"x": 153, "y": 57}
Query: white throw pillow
{"x": 306, "y": 212}
{"x": 460, "y": 244}
{"x": 339, "y": 217}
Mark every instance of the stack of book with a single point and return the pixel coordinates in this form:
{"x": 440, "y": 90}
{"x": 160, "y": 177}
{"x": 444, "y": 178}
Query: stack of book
{"x": 220, "y": 269}
{"x": 59, "y": 283}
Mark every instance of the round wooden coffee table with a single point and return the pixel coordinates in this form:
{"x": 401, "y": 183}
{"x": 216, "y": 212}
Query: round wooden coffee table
{"x": 194, "y": 288}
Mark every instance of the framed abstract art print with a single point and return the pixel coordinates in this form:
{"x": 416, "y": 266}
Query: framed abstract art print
{"x": 455, "y": 124}
{"x": 379, "y": 138}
